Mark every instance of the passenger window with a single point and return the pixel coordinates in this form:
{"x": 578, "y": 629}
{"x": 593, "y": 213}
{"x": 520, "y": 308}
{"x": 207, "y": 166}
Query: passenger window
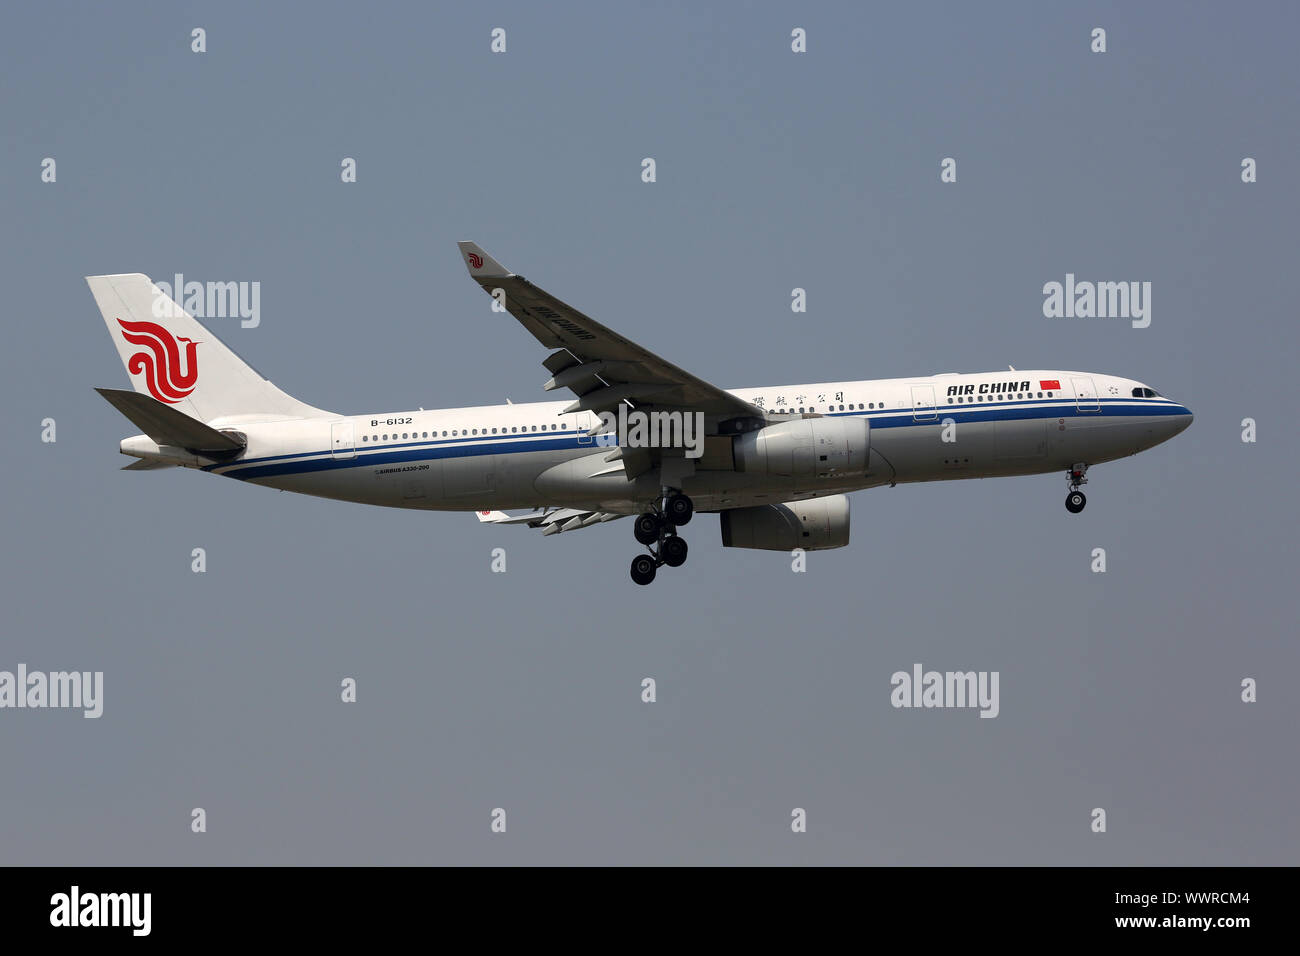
{"x": 1040, "y": 394}
{"x": 365, "y": 438}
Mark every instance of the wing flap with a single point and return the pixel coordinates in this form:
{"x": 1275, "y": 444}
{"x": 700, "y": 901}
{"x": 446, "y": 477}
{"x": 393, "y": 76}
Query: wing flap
{"x": 551, "y": 522}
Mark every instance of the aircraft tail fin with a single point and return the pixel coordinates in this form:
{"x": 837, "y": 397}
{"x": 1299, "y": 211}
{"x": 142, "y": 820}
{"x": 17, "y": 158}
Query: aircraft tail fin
{"x": 172, "y": 358}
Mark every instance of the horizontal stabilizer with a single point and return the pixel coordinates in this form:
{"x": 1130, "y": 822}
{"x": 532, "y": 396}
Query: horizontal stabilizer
{"x": 167, "y": 426}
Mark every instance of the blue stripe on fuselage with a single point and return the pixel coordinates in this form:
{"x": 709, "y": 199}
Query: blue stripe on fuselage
{"x": 462, "y": 447}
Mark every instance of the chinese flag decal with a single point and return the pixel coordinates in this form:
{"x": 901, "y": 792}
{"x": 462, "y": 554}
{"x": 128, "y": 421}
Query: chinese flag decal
{"x": 1051, "y": 383}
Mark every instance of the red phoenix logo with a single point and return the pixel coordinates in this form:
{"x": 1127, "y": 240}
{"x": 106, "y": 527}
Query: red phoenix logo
{"x": 161, "y": 365}
{"x": 476, "y": 260}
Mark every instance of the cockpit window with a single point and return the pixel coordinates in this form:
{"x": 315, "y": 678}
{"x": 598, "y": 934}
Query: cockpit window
{"x": 1139, "y": 393}
{"x": 1145, "y": 393}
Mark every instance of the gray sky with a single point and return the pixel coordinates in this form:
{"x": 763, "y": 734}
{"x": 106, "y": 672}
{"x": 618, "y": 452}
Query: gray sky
{"x": 775, "y": 170}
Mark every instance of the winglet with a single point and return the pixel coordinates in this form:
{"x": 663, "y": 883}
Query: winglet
{"x": 481, "y": 265}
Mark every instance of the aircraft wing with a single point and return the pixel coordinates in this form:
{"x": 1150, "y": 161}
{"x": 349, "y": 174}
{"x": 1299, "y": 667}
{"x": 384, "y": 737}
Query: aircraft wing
{"x": 551, "y": 522}
{"x": 601, "y": 367}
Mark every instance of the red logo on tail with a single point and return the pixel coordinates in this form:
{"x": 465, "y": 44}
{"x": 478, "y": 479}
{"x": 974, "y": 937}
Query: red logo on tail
{"x": 476, "y": 260}
{"x": 161, "y": 365}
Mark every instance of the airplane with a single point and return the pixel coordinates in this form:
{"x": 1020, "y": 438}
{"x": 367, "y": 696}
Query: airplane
{"x": 776, "y": 463}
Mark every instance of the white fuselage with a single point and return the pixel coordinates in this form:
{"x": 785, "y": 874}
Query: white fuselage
{"x": 526, "y": 456}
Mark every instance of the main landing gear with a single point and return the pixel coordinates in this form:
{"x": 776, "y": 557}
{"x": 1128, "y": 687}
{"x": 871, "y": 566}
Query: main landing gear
{"x": 1076, "y": 499}
{"x": 659, "y": 527}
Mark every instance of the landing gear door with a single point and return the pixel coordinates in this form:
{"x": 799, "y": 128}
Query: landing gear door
{"x": 341, "y": 443}
{"x": 1085, "y": 394}
{"x": 923, "y": 407}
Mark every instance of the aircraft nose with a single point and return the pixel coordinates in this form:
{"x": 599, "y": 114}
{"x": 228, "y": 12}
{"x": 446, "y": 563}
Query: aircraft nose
{"x": 1182, "y": 418}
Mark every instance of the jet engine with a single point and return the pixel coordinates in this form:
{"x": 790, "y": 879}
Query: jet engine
{"x": 817, "y": 524}
{"x": 807, "y": 448}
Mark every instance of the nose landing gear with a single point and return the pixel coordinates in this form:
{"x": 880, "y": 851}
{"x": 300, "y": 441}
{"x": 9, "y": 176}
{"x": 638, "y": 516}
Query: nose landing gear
{"x": 1076, "y": 499}
{"x": 659, "y": 527}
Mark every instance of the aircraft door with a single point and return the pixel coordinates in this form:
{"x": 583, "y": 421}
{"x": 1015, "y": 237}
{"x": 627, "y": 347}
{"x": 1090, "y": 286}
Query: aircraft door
{"x": 923, "y": 407}
{"x": 1085, "y": 394}
{"x": 341, "y": 442}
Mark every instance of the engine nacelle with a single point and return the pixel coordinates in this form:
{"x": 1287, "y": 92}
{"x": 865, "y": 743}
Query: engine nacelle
{"x": 807, "y": 448}
{"x": 817, "y": 524}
